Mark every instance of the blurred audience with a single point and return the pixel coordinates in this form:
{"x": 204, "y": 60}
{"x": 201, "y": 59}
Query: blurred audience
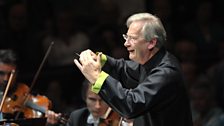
{"x": 108, "y": 39}
{"x": 205, "y": 111}
{"x": 206, "y": 33}
{"x": 190, "y": 71}
{"x": 67, "y": 38}
{"x": 216, "y": 73}
{"x": 20, "y": 38}
{"x": 163, "y": 9}
{"x": 186, "y": 50}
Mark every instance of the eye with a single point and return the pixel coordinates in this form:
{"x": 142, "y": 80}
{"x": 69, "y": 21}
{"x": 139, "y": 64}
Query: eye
{"x": 2, "y": 73}
{"x": 132, "y": 38}
{"x": 92, "y": 99}
{"x": 125, "y": 37}
{"x": 129, "y": 38}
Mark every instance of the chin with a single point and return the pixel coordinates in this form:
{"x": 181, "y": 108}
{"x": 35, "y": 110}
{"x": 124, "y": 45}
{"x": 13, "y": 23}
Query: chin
{"x": 130, "y": 57}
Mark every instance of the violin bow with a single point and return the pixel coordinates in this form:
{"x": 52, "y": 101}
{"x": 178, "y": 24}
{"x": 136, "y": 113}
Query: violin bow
{"x": 36, "y": 76}
{"x": 7, "y": 88}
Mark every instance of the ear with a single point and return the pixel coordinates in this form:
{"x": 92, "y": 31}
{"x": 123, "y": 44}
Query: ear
{"x": 152, "y": 43}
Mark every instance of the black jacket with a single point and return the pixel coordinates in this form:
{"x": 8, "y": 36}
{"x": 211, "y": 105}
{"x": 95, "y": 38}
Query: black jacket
{"x": 152, "y": 94}
{"x": 77, "y": 118}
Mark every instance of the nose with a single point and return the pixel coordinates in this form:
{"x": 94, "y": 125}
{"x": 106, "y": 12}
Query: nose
{"x": 98, "y": 104}
{"x": 126, "y": 43}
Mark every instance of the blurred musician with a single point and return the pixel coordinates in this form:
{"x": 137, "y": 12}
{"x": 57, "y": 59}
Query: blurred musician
{"x": 7, "y": 65}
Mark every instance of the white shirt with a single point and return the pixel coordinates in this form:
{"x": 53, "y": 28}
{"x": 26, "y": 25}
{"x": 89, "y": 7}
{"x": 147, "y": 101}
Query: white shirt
{"x": 126, "y": 122}
{"x": 91, "y": 120}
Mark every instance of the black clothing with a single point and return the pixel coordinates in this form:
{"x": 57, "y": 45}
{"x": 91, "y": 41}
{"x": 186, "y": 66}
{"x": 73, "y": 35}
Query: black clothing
{"x": 77, "y": 118}
{"x": 152, "y": 94}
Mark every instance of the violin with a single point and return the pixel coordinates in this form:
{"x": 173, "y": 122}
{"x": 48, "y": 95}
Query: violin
{"x": 35, "y": 106}
{"x": 15, "y": 103}
{"x": 41, "y": 109}
{"x": 110, "y": 118}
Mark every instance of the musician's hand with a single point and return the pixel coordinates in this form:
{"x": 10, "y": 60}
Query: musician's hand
{"x": 89, "y": 64}
{"x": 52, "y": 117}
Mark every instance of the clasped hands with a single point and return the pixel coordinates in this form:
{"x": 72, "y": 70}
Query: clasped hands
{"x": 89, "y": 64}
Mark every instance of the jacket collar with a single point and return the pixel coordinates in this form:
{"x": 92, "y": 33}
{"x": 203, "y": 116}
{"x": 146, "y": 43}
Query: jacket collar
{"x": 155, "y": 60}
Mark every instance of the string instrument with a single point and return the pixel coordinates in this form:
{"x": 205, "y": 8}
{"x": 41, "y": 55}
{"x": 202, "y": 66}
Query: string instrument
{"x": 62, "y": 119}
{"x": 14, "y": 103}
{"x": 110, "y": 118}
{"x": 35, "y": 107}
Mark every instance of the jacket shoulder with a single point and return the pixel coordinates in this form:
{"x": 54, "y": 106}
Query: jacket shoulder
{"x": 78, "y": 117}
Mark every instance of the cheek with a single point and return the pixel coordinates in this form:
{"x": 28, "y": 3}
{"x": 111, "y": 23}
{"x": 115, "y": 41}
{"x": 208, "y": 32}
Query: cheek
{"x": 103, "y": 110}
{"x": 140, "y": 50}
{"x": 104, "y": 106}
{"x": 89, "y": 104}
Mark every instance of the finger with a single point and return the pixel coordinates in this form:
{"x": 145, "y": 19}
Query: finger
{"x": 78, "y": 64}
{"x": 52, "y": 117}
{"x": 86, "y": 57}
{"x": 48, "y": 113}
{"x": 59, "y": 114}
{"x": 92, "y": 53}
{"x": 99, "y": 57}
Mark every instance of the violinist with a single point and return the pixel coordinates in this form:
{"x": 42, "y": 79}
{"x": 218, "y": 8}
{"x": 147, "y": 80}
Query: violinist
{"x": 7, "y": 65}
{"x": 17, "y": 93}
{"x": 90, "y": 115}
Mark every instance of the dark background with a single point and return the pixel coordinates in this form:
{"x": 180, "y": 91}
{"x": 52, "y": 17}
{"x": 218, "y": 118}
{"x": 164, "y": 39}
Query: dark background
{"x": 93, "y": 17}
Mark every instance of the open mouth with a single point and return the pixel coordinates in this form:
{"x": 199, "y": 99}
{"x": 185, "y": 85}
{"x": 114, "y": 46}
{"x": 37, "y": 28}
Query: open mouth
{"x": 130, "y": 51}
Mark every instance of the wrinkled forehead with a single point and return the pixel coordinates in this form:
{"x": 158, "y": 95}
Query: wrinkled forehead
{"x": 135, "y": 27}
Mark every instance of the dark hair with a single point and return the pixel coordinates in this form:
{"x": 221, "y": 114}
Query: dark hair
{"x": 8, "y": 56}
{"x": 85, "y": 87}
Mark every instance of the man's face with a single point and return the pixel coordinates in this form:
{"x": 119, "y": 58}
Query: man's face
{"x": 136, "y": 45}
{"x": 95, "y": 104}
{"x": 5, "y": 71}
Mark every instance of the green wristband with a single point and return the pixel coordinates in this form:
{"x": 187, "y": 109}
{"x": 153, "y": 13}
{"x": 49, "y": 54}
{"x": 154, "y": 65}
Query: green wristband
{"x": 99, "y": 82}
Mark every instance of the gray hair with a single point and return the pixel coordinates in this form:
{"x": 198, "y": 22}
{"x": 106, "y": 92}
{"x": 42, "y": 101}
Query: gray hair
{"x": 152, "y": 28}
{"x": 8, "y": 56}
